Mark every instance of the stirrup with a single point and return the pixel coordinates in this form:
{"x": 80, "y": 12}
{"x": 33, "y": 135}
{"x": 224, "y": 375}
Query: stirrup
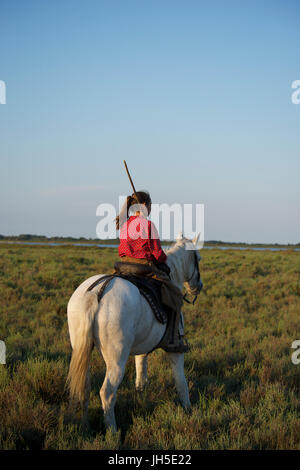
{"x": 181, "y": 347}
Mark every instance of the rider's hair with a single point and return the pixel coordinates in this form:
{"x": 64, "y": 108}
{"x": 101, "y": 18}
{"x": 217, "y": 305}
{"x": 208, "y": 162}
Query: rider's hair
{"x": 140, "y": 197}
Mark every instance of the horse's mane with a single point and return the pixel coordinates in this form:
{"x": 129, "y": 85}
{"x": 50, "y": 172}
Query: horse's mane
{"x": 176, "y": 259}
{"x": 177, "y": 245}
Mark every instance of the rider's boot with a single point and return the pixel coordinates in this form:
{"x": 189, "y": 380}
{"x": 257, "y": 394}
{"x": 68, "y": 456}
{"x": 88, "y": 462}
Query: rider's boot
{"x": 176, "y": 342}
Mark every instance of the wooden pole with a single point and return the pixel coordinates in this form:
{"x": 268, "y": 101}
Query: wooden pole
{"x": 134, "y": 191}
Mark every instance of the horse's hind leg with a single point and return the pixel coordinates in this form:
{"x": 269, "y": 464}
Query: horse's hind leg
{"x": 115, "y": 368}
{"x": 177, "y": 362}
{"x": 141, "y": 371}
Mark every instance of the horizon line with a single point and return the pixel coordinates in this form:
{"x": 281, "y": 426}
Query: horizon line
{"x": 27, "y": 236}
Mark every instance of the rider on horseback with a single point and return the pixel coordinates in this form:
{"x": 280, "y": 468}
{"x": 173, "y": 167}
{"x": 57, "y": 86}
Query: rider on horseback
{"x": 140, "y": 244}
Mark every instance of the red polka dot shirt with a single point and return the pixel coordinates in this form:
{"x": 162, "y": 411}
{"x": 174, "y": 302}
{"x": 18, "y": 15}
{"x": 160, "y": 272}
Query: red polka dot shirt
{"x": 139, "y": 239}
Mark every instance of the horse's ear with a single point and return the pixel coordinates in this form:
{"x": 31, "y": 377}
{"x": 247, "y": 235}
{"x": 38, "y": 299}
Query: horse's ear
{"x": 195, "y": 239}
{"x": 179, "y": 236}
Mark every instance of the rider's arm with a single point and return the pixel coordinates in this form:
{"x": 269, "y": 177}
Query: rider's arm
{"x": 154, "y": 244}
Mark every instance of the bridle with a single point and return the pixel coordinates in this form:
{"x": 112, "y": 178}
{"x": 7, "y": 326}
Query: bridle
{"x": 196, "y": 268}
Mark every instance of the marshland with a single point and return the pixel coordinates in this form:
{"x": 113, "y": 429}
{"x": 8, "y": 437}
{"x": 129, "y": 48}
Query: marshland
{"x": 243, "y": 385}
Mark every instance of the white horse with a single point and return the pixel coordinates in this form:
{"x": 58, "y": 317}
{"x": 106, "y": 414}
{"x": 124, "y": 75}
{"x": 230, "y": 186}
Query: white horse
{"x": 123, "y": 324}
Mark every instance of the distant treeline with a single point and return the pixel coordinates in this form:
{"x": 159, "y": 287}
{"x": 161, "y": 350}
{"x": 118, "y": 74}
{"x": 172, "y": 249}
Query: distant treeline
{"x": 42, "y": 238}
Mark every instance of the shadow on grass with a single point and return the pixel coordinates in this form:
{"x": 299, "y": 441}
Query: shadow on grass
{"x": 215, "y": 379}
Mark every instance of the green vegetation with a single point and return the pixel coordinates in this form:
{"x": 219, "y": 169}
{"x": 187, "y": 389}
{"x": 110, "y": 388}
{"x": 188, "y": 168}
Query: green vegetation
{"x": 244, "y": 388}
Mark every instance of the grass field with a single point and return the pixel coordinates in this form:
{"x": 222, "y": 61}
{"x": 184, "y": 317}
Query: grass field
{"x": 243, "y": 386}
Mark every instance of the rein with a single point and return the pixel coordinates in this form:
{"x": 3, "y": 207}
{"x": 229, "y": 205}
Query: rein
{"x": 196, "y": 267}
{"x": 188, "y": 301}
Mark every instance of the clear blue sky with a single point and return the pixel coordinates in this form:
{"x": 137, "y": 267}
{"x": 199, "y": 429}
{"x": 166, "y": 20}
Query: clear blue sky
{"x": 195, "y": 95}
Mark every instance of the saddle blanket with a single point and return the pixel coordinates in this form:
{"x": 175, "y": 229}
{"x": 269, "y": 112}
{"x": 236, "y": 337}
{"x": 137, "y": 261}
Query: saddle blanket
{"x": 149, "y": 289}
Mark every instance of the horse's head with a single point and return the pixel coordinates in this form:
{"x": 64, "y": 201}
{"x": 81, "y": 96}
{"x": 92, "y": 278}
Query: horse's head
{"x": 191, "y": 258}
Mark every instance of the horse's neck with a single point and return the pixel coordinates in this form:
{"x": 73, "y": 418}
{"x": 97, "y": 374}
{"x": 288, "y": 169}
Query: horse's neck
{"x": 175, "y": 261}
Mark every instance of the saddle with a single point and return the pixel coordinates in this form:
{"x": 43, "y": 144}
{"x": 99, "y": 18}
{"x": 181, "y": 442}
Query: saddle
{"x": 149, "y": 288}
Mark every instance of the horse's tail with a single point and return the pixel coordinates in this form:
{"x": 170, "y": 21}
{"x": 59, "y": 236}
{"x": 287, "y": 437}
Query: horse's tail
{"x": 82, "y": 348}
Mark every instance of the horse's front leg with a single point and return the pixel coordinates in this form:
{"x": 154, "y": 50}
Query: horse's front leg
{"x": 177, "y": 363}
{"x": 141, "y": 371}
